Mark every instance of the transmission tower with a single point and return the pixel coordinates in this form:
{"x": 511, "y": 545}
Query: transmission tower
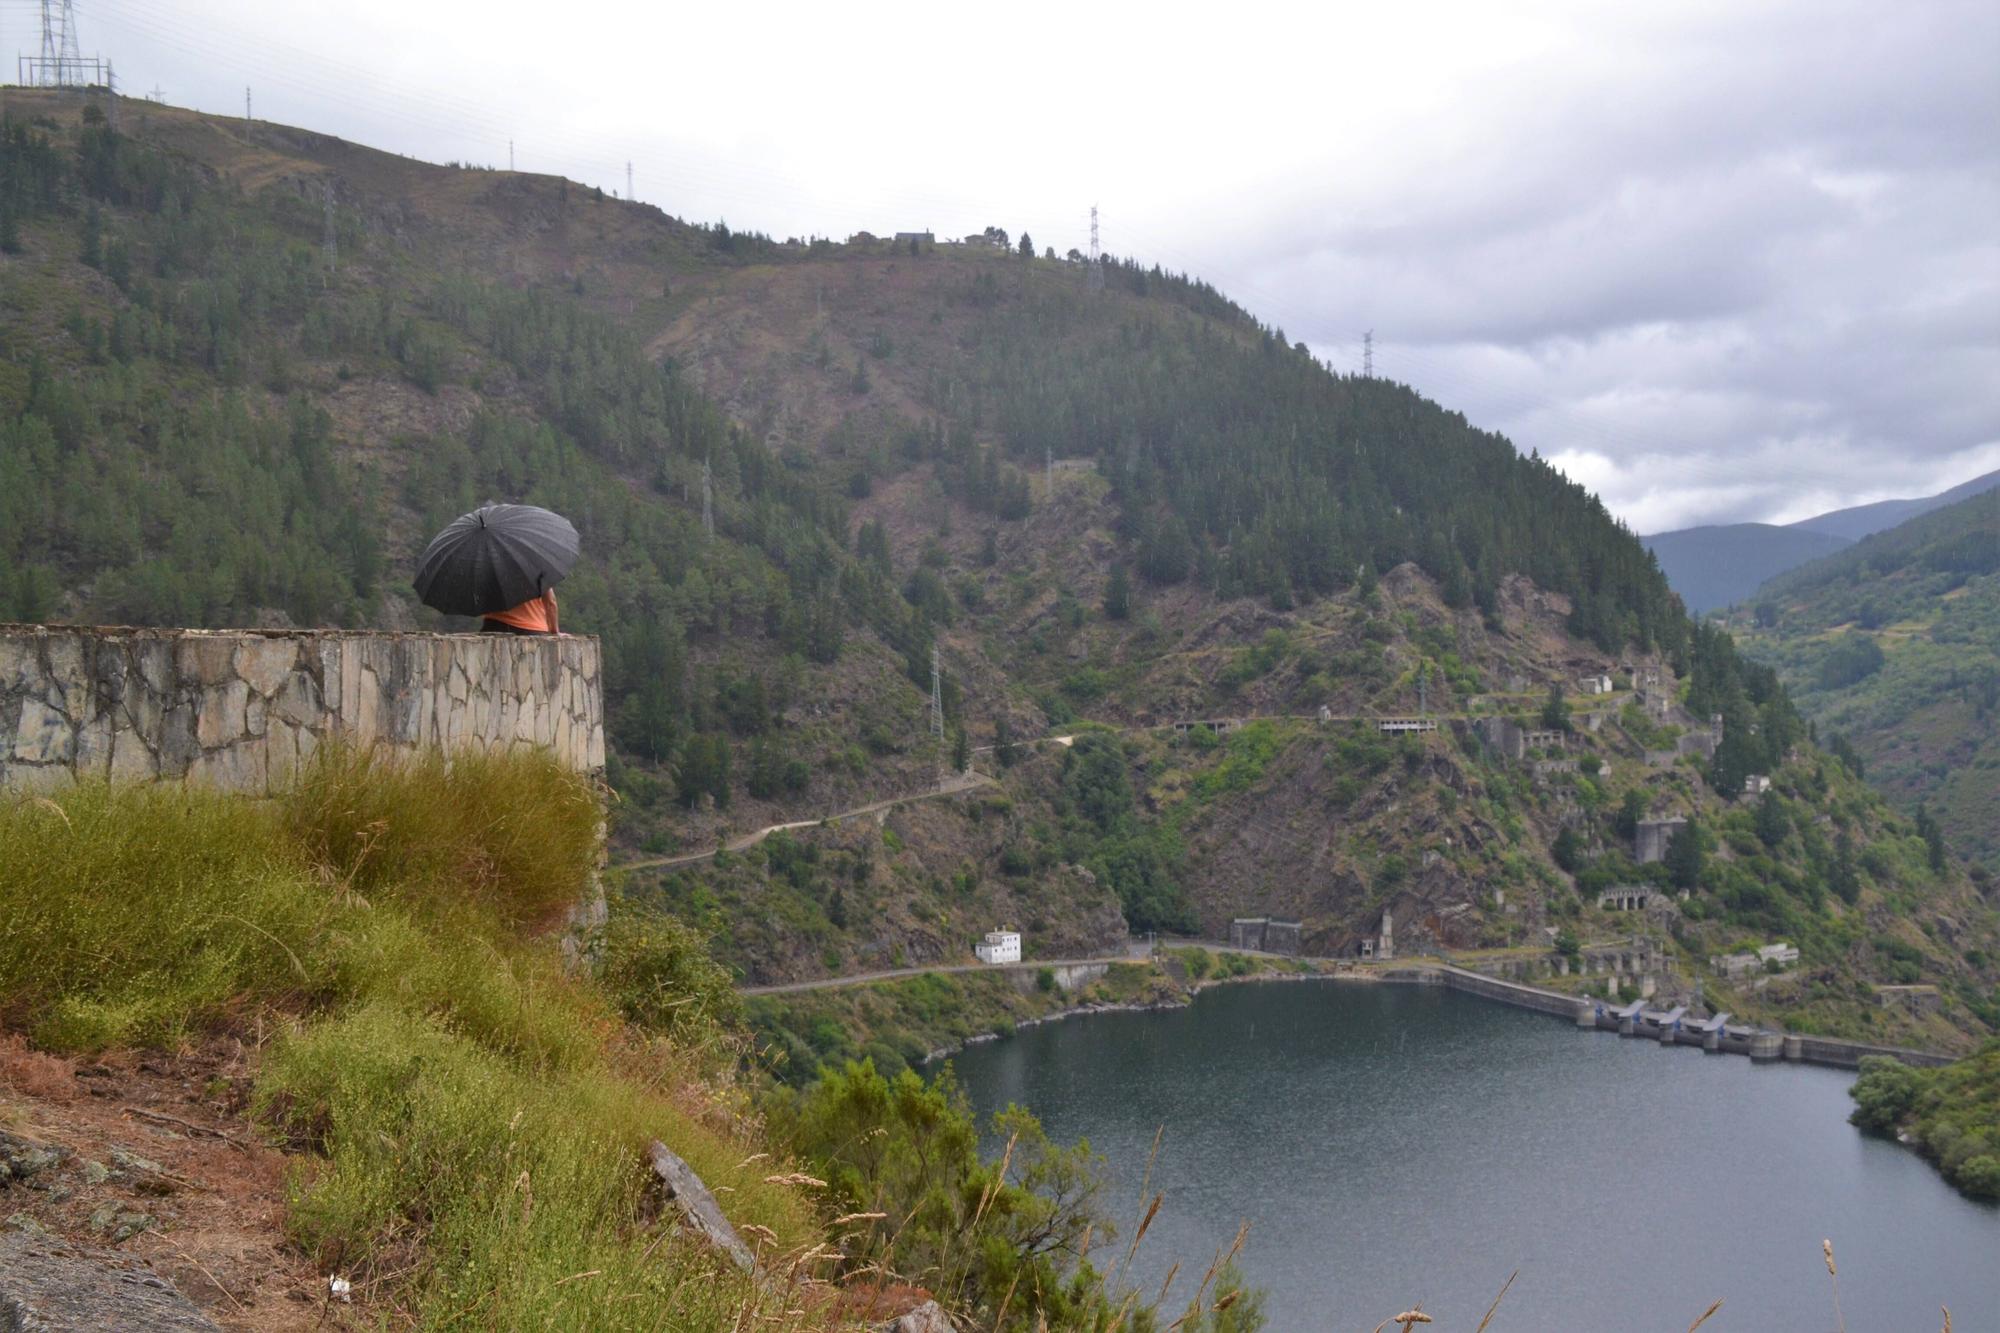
{"x": 329, "y": 238}
{"x": 246, "y": 102}
{"x": 1096, "y": 275}
{"x": 1368, "y": 355}
{"x": 510, "y": 155}
{"x": 59, "y": 63}
{"x": 629, "y": 196}
{"x": 707, "y": 499}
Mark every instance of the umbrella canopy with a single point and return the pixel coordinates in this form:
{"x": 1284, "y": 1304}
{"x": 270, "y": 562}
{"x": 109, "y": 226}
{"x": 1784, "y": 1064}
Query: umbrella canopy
{"x": 496, "y": 557}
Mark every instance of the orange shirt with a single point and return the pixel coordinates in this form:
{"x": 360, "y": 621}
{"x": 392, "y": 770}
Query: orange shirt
{"x": 537, "y": 615}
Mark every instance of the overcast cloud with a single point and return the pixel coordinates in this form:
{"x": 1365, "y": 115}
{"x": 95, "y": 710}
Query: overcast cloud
{"x": 1718, "y": 261}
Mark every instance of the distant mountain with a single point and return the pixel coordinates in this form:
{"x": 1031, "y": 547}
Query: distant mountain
{"x": 1861, "y": 520}
{"x": 1894, "y": 645}
{"x": 1722, "y": 564}
{"x": 1717, "y": 566}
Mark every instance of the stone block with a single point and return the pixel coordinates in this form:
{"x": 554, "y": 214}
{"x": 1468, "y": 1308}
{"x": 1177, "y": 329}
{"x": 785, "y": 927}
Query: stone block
{"x": 232, "y": 768}
{"x": 206, "y": 659}
{"x": 264, "y": 662}
{"x": 223, "y": 716}
{"x": 178, "y": 746}
{"x": 299, "y": 701}
{"x": 20, "y": 664}
{"x": 153, "y": 657}
{"x": 69, "y": 686}
{"x": 93, "y": 747}
{"x": 43, "y": 735}
{"x": 131, "y": 760}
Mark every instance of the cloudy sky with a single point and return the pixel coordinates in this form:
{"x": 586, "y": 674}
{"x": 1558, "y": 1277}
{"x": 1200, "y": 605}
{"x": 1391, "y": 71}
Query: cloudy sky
{"x": 1719, "y": 261}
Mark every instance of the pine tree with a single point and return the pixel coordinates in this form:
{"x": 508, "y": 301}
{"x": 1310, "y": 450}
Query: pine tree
{"x": 1118, "y": 594}
{"x": 1685, "y": 855}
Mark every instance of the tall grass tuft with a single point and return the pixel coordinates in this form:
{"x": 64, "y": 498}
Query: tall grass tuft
{"x": 516, "y": 834}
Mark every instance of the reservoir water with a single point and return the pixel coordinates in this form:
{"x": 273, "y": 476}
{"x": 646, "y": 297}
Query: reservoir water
{"x": 1392, "y": 1144}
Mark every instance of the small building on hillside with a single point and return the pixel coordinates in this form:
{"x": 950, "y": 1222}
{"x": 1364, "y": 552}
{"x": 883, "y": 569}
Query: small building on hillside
{"x": 1650, "y": 838}
{"x": 1264, "y": 934}
{"x": 1598, "y": 684}
{"x": 906, "y": 238}
{"x": 1756, "y": 784}
{"x": 999, "y": 946}
{"x": 1627, "y": 898}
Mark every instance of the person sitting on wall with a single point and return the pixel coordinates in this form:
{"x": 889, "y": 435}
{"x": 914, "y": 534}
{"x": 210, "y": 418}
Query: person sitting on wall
{"x": 537, "y": 615}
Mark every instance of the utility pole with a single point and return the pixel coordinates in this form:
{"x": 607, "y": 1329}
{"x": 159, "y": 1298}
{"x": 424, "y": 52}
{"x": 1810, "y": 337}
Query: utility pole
{"x": 246, "y": 102}
{"x": 1368, "y": 355}
{"x": 937, "y": 711}
{"x": 110, "y": 97}
{"x": 628, "y": 180}
{"x": 707, "y": 499}
{"x": 329, "y": 238}
{"x": 1095, "y": 281}
{"x": 510, "y": 155}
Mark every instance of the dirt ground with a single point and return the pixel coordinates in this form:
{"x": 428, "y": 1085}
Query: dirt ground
{"x": 152, "y": 1156}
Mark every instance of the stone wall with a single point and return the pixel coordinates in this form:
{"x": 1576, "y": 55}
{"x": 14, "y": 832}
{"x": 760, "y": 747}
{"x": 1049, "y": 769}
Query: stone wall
{"x": 241, "y": 709}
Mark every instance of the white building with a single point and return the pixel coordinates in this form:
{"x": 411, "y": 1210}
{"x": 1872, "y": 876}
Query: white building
{"x": 1000, "y": 946}
{"x": 1782, "y": 954}
{"x": 1756, "y": 784}
{"x": 1595, "y": 684}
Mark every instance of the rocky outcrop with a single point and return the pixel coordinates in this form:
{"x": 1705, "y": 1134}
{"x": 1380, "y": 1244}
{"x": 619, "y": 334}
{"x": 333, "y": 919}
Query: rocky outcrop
{"x": 697, "y": 1205}
{"x": 242, "y": 709}
{"x": 48, "y": 1286}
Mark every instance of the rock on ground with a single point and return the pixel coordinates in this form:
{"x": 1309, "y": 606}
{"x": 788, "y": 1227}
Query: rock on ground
{"x": 926, "y": 1318}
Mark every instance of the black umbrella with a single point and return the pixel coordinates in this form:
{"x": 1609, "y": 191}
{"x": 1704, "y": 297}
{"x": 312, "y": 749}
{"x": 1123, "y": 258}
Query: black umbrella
{"x": 494, "y": 558}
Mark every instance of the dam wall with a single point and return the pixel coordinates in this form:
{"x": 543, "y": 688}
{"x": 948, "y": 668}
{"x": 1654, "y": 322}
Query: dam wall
{"x": 242, "y": 709}
{"x": 1668, "y": 1028}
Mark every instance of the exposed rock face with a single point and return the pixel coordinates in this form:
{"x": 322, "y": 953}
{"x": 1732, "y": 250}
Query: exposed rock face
{"x": 242, "y": 709}
{"x": 697, "y": 1206}
{"x": 47, "y": 1286}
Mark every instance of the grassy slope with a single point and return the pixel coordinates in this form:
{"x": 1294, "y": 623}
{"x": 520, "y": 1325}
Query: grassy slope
{"x": 1926, "y": 721}
{"x": 468, "y": 1120}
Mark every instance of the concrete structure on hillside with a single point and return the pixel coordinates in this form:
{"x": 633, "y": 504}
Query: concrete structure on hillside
{"x": 1265, "y": 934}
{"x": 904, "y": 238}
{"x": 1598, "y": 684}
{"x": 1917, "y": 999}
{"x": 1385, "y": 944}
{"x": 1649, "y": 840}
{"x": 1628, "y": 898}
{"x": 243, "y": 709}
{"x": 1756, "y": 785}
{"x": 999, "y": 946}
{"x": 1736, "y": 966}
{"x": 1405, "y": 725}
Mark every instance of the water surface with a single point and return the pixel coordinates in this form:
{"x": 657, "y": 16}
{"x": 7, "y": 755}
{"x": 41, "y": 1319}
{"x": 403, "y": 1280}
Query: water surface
{"x": 1393, "y": 1144}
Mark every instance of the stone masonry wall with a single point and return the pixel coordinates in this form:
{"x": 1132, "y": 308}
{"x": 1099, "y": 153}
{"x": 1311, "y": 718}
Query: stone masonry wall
{"x": 241, "y": 709}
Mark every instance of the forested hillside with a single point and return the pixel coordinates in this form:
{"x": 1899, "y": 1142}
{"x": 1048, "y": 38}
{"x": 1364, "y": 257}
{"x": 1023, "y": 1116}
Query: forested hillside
{"x": 1893, "y": 649}
{"x": 1126, "y": 507}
